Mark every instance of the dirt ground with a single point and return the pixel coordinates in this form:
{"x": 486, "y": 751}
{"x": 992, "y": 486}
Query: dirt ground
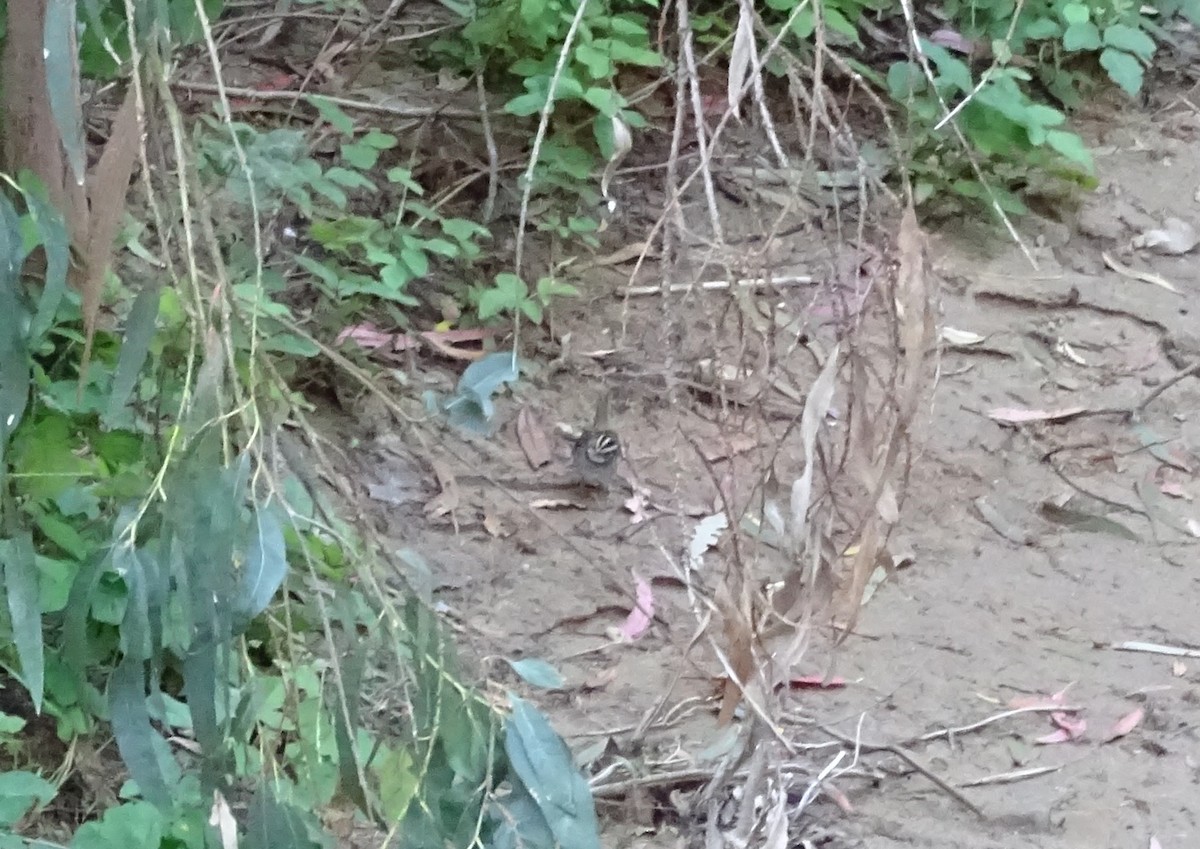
{"x": 1003, "y": 599}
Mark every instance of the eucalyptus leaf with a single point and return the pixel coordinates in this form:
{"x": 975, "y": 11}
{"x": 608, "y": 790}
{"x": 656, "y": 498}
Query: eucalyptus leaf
{"x": 134, "y": 733}
{"x": 543, "y": 764}
{"x": 139, "y": 333}
{"x": 266, "y": 564}
{"x": 62, "y": 80}
{"x": 21, "y": 585}
{"x": 20, "y": 791}
{"x": 472, "y": 406}
{"x": 538, "y": 672}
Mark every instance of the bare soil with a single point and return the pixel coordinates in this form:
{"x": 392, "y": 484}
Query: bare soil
{"x": 999, "y": 602}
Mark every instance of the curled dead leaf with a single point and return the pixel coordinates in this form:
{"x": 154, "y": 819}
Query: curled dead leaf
{"x": 531, "y": 436}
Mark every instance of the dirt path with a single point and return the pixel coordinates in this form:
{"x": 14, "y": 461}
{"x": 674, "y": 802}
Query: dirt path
{"x": 1004, "y": 599}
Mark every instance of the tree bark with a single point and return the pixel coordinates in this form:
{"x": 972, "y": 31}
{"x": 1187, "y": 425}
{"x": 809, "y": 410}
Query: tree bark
{"x": 30, "y": 136}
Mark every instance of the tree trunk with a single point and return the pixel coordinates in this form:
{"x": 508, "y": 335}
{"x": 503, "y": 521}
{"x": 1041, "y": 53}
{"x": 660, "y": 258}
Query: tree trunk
{"x": 31, "y": 137}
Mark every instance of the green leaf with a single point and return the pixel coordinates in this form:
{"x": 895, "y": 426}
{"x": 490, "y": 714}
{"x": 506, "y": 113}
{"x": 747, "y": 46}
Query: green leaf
{"x": 361, "y": 156}
{"x": 550, "y": 287}
{"x": 416, "y": 260}
{"x": 349, "y": 179}
{"x": 379, "y": 140}
{"x": 1130, "y": 39}
{"x": 543, "y": 763}
{"x": 398, "y": 783}
{"x": 134, "y": 825}
{"x": 598, "y": 63}
{"x": 464, "y": 230}
{"x": 538, "y": 672}
{"x": 21, "y": 584}
{"x": 1123, "y": 69}
{"x": 404, "y": 177}
{"x": 532, "y": 309}
{"x": 1081, "y": 36}
{"x": 332, "y": 113}
{"x": 606, "y": 101}
{"x": 1072, "y": 147}
{"x": 135, "y": 348}
{"x": 20, "y": 791}
{"x": 58, "y": 48}
{"x": 1075, "y": 13}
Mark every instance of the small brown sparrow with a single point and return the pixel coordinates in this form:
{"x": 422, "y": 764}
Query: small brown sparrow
{"x": 595, "y": 453}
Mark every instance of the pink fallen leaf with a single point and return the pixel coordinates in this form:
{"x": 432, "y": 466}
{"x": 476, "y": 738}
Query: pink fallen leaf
{"x": 1025, "y": 415}
{"x": 1125, "y": 724}
{"x": 636, "y": 504}
{"x": 1074, "y": 726}
{"x": 1060, "y": 735}
{"x": 817, "y": 682}
{"x": 639, "y": 618}
{"x": 838, "y": 797}
{"x": 365, "y": 335}
{"x": 1154, "y": 844}
{"x": 952, "y": 40}
{"x": 1175, "y": 490}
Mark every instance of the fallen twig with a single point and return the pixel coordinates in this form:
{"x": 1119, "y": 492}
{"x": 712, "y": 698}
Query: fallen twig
{"x": 1010, "y": 777}
{"x": 910, "y": 759}
{"x": 1155, "y": 648}
{"x": 717, "y": 285}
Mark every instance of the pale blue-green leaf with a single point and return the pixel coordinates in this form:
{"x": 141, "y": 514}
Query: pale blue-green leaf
{"x": 520, "y": 822}
{"x": 20, "y": 791}
{"x": 135, "y": 825}
{"x": 1130, "y": 39}
{"x": 272, "y": 824}
{"x": 472, "y": 406}
{"x": 349, "y": 179}
{"x": 1123, "y": 69}
{"x": 538, "y": 672}
{"x": 22, "y": 586}
{"x": 266, "y": 564}
{"x": 1075, "y": 13}
{"x": 131, "y": 727}
{"x": 14, "y": 359}
{"x": 1081, "y": 36}
{"x": 140, "y": 327}
{"x": 543, "y": 763}
{"x": 62, "y": 77}
{"x": 55, "y": 243}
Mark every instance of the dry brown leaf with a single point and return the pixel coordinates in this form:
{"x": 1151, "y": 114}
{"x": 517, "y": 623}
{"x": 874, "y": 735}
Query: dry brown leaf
{"x": 449, "y": 499}
{"x": 739, "y": 648}
{"x": 495, "y": 526}
{"x": 601, "y": 679}
{"x": 725, "y": 448}
{"x": 532, "y": 438}
{"x": 107, "y": 187}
